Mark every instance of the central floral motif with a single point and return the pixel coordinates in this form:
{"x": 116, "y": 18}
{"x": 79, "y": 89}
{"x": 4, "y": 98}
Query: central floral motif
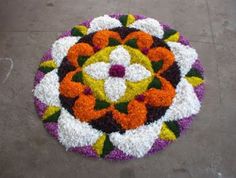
{"x": 116, "y": 72}
{"x": 118, "y": 86}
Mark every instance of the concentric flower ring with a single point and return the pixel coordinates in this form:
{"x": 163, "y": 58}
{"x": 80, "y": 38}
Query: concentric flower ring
{"x": 118, "y": 87}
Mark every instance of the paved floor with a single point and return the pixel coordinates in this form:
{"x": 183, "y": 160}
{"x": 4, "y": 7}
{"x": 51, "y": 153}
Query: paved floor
{"x": 28, "y": 27}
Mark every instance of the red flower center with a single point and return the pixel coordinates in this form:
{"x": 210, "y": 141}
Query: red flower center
{"x": 117, "y": 71}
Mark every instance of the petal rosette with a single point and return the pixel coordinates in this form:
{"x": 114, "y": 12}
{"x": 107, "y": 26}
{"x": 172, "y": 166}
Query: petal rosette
{"x": 119, "y": 87}
{"x": 114, "y": 88}
{"x": 99, "y": 70}
{"x": 136, "y": 72}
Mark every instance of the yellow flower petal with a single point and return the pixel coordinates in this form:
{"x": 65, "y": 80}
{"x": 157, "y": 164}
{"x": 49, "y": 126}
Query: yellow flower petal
{"x": 195, "y": 81}
{"x": 130, "y": 19}
{"x": 166, "y": 133}
{"x": 98, "y": 146}
{"x": 50, "y": 63}
{"x": 173, "y": 38}
{"x": 50, "y": 111}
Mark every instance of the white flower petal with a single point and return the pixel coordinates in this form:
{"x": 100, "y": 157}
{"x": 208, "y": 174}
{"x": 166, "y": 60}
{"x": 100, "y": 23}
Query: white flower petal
{"x": 61, "y": 47}
{"x": 120, "y": 56}
{"x": 149, "y": 25}
{"x": 47, "y": 91}
{"x": 136, "y": 72}
{"x": 184, "y": 104}
{"x": 102, "y": 23}
{"x": 72, "y": 132}
{"x": 184, "y": 56}
{"x": 99, "y": 70}
{"x": 139, "y": 141}
{"x": 114, "y": 88}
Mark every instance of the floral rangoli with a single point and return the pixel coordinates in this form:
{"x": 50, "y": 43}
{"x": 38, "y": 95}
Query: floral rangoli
{"x": 118, "y": 87}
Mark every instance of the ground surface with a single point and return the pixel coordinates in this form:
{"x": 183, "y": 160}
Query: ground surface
{"x": 29, "y": 27}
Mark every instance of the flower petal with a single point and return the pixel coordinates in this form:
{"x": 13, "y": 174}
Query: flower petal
{"x": 185, "y": 56}
{"x": 99, "y": 70}
{"x": 61, "y": 47}
{"x": 136, "y": 72}
{"x": 149, "y": 25}
{"x": 184, "y": 104}
{"x": 120, "y": 56}
{"x": 72, "y": 132}
{"x": 139, "y": 141}
{"x": 102, "y": 23}
{"x": 114, "y": 88}
{"x": 47, "y": 91}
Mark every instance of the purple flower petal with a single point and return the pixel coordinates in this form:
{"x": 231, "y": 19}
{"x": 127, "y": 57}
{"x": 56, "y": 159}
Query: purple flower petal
{"x": 158, "y": 145}
{"x": 40, "y": 107}
{"x": 117, "y": 154}
{"x": 86, "y": 150}
{"x": 38, "y": 77}
{"x": 184, "y": 123}
{"x": 200, "y": 91}
{"x": 52, "y": 129}
{"x": 197, "y": 65}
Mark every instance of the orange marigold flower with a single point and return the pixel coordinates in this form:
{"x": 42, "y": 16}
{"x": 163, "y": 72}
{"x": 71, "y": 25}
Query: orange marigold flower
{"x": 136, "y": 115}
{"x": 144, "y": 40}
{"x": 69, "y": 88}
{"x": 101, "y": 38}
{"x": 84, "y": 108}
{"x": 162, "y": 97}
{"x": 160, "y": 53}
{"x": 80, "y": 49}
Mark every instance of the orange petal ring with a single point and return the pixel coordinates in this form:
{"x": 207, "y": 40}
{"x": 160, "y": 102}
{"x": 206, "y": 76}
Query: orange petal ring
{"x": 69, "y": 88}
{"x": 84, "y": 108}
{"x": 101, "y": 38}
{"x": 136, "y": 115}
{"x": 162, "y": 97}
{"x": 160, "y": 53}
{"x": 144, "y": 40}
{"x": 79, "y": 49}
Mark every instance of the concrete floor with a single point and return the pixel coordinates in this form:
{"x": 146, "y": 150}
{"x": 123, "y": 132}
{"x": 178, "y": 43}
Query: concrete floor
{"x": 29, "y": 27}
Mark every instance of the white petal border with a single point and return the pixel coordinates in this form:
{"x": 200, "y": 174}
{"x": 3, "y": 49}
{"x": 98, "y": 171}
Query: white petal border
{"x": 98, "y": 70}
{"x": 184, "y": 104}
{"x": 149, "y": 25}
{"x": 114, "y": 88}
{"x": 47, "y": 91}
{"x": 74, "y": 133}
{"x": 185, "y": 56}
{"x": 139, "y": 141}
{"x": 61, "y": 47}
{"x": 120, "y": 56}
{"x": 136, "y": 72}
{"x": 103, "y": 23}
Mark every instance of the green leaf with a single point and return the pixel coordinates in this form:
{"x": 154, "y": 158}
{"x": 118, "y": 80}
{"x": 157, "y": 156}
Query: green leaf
{"x": 78, "y": 77}
{"x": 156, "y": 83}
{"x": 53, "y": 118}
{"x": 132, "y": 43}
{"x": 168, "y": 33}
{"x": 101, "y": 104}
{"x": 123, "y": 19}
{"x": 157, "y": 65}
{"x": 46, "y": 69}
{"x": 174, "y": 127}
{"x": 122, "y": 107}
{"x": 107, "y": 147}
{"x": 82, "y": 59}
{"x": 113, "y": 42}
{"x": 76, "y": 32}
{"x": 194, "y": 73}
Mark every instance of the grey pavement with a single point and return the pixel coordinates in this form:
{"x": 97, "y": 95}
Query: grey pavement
{"x": 29, "y": 27}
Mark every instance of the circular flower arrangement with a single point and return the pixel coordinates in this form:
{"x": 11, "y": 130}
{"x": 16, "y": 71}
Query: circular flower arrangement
{"x": 118, "y": 87}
